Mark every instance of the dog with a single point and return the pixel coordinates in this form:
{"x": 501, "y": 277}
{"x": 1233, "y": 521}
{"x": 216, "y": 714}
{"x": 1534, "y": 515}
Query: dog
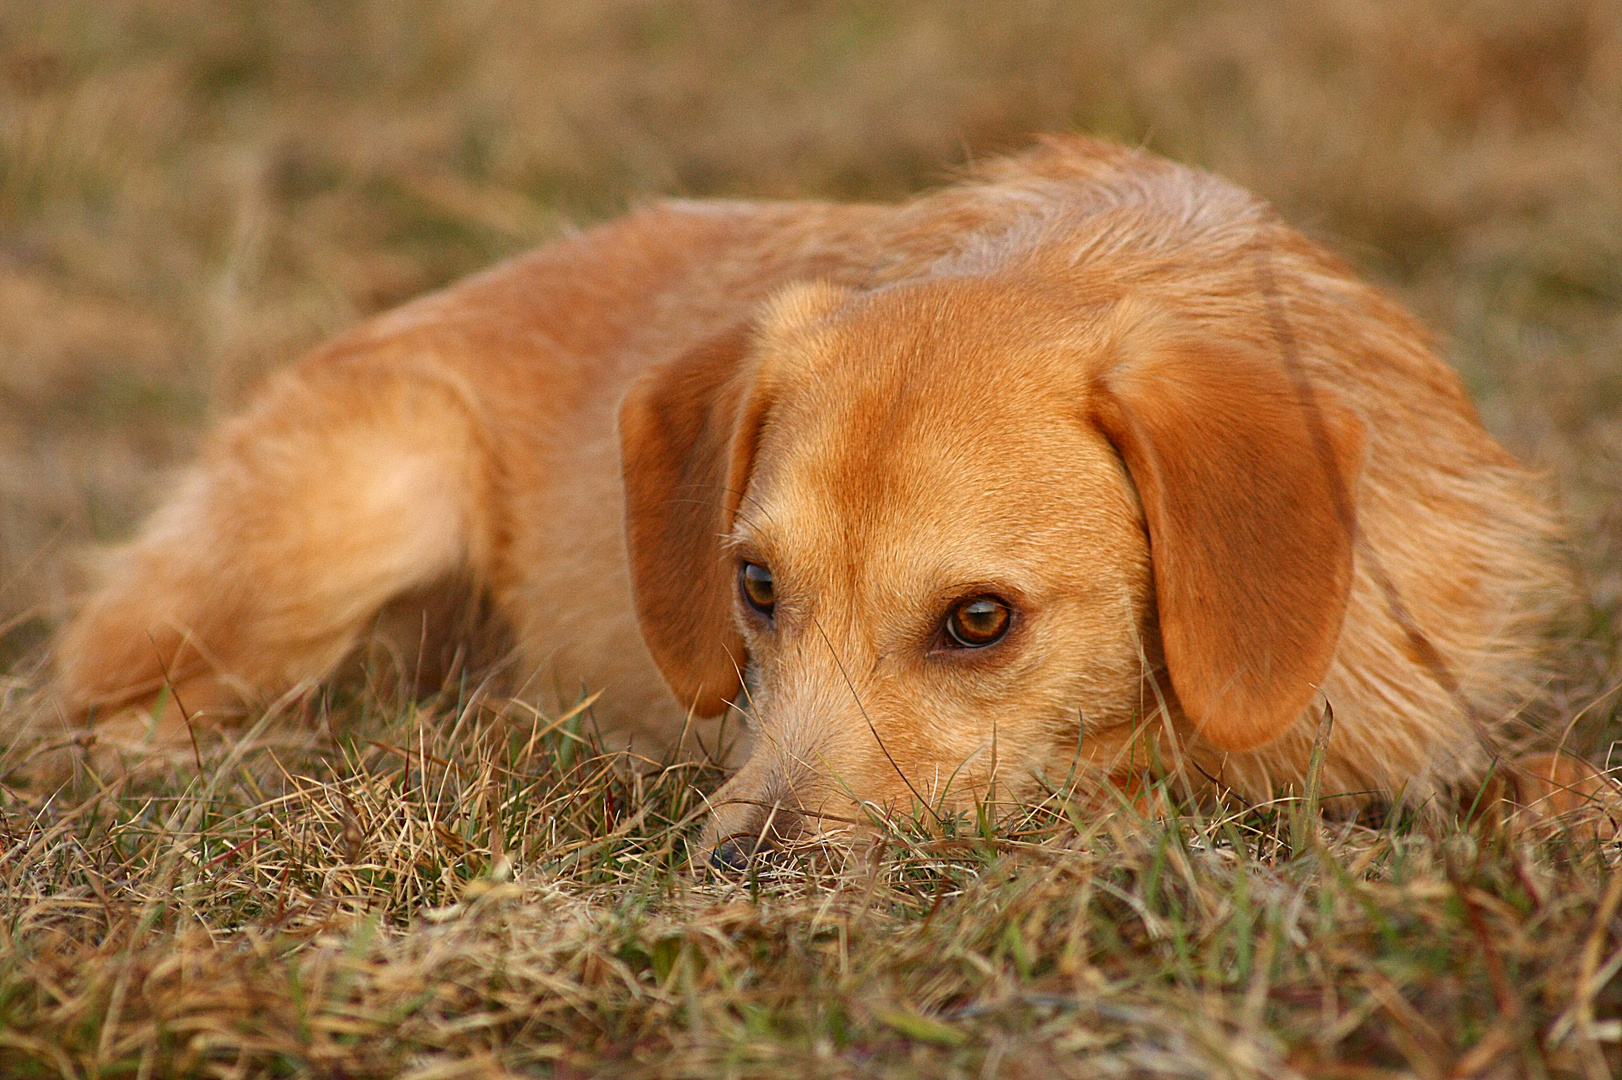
{"x": 1083, "y": 469}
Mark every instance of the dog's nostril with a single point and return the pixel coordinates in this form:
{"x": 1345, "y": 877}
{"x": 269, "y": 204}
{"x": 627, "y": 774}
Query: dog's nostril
{"x": 732, "y": 856}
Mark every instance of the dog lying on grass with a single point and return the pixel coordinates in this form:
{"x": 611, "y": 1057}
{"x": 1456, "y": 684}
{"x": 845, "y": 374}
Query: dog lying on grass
{"x": 1087, "y": 467}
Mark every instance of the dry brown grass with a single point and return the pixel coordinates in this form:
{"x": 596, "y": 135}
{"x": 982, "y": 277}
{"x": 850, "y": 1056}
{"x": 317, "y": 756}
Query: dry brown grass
{"x": 438, "y": 893}
{"x": 191, "y": 191}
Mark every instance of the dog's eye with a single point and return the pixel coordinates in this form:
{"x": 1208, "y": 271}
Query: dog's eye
{"x": 978, "y": 621}
{"x": 756, "y": 583}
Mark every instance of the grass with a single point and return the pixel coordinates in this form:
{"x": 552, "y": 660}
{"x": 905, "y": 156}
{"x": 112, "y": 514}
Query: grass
{"x": 192, "y": 191}
{"x": 441, "y": 892}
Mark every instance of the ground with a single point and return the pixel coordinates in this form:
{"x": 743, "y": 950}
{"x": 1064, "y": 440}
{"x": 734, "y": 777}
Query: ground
{"x": 192, "y": 191}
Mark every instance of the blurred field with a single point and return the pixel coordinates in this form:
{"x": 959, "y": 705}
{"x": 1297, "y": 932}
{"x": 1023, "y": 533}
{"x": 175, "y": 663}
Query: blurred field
{"x": 192, "y": 191}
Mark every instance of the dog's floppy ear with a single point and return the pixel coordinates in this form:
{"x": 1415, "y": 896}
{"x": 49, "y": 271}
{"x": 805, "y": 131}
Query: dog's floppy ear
{"x": 688, "y": 432}
{"x": 1246, "y": 474}
{"x": 686, "y": 445}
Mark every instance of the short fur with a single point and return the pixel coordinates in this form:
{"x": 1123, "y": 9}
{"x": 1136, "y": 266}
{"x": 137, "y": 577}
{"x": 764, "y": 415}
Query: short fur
{"x": 1220, "y": 481}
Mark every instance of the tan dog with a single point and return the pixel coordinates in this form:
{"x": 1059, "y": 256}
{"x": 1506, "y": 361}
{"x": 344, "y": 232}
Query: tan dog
{"x": 1084, "y": 466}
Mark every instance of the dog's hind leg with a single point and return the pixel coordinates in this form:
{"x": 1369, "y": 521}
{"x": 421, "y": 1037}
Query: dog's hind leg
{"x": 349, "y": 483}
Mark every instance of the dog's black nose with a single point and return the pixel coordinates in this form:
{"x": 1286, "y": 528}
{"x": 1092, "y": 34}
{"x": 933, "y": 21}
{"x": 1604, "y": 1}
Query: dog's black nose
{"x": 759, "y": 836}
{"x": 732, "y": 856}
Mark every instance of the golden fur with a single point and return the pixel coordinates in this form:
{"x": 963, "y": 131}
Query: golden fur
{"x": 1218, "y": 479}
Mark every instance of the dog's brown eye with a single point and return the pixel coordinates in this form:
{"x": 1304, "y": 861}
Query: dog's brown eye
{"x": 756, "y": 582}
{"x": 978, "y": 622}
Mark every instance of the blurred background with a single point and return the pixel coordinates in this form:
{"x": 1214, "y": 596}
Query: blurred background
{"x": 193, "y": 191}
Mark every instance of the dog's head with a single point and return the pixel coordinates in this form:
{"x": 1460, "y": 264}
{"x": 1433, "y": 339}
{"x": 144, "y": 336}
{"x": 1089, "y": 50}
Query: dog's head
{"x": 925, "y": 536}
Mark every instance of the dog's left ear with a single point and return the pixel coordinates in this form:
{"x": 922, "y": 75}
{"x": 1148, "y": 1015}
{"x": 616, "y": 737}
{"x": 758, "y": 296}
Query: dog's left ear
{"x": 1246, "y": 473}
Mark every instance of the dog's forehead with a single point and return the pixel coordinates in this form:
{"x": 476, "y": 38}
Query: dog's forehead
{"x": 954, "y": 414}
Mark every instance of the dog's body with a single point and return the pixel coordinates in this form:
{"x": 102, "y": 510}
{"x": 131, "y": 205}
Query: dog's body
{"x": 1209, "y": 479}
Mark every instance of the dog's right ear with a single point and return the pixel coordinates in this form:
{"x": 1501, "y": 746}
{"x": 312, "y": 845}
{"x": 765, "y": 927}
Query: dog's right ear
{"x": 687, "y": 441}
